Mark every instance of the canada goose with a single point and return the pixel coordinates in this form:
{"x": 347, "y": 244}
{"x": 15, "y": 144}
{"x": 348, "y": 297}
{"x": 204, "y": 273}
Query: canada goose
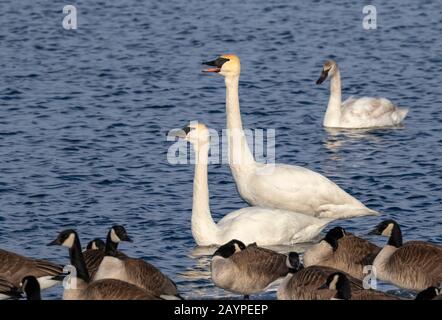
{"x": 31, "y": 288}
{"x": 340, "y": 283}
{"x": 14, "y": 267}
{"x": 415, "y": 265}
{"x": 277, "y": 186}
{"x": 364, "y": 112}
{"x": 8, "y": 290}
{"x": 135, "y": 271}
{"x": 343, "y": 251}
{"x": 431, "y": 293}
{"x": 303, "y": 283}
{"x": 80, "y": 288}
{"x": 251, "y": 224}
{"x": 246, "y": 270}
{"x": 93, "y": 255}
{"x": 96, "y": 244}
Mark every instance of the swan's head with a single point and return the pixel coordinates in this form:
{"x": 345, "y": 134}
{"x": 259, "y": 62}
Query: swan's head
{"x": 226, "y": 65}
{"x": 196, "y": 133}
{"x": 328, "y": 70}
{"x": 230, "y": 248}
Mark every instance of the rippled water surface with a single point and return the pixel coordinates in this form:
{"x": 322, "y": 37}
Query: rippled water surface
{"x": 83, "y": 116}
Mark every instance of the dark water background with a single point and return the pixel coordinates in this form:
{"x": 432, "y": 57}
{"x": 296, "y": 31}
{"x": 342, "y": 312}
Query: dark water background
{"x": 84, "y": 113}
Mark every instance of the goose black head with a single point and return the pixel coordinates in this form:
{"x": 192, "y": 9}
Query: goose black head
{"x": 385, "y": 228}
{"x": 31, "y": 288}
{"x": 118, "y": 233}
{"x": 339, "y": 282}
{"x": 389, "y": 228}
{"x": 230, "y": 248}
{"x": 65, "y": 238}
{"x": 333, "y": 235}
{"x": 293, "y": 262}
{"x": 428, "y": 294}
{"x": 96, "y": 244}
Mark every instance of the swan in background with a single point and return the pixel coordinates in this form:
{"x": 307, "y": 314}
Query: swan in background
{"x": 251, "y": 224}
{"x": 364, "y": 112}
{"x": 277, "y": 186}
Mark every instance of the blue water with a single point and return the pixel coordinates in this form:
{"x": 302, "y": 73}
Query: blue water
{"x": 84, "y": 113}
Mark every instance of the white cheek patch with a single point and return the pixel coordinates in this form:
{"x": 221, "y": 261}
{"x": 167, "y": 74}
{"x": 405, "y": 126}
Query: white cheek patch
{"x": 94, "y": 246}
{"x": 387, "y": 231}
{"x": 69, "y": 242}
{"x": 237, "y": 248}
{"x": 333, "y": 283}
{"x": 114, "y": 237}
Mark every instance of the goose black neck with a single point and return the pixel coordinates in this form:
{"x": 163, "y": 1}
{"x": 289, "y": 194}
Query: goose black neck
{"x": 111, "y": 246}
{"x": 395, "y": 239}
{"x": 344, "y": 292}
{"x": 77, "y": 260}
{"x": 33, "y": 294}
{"x": 293, "y": 270}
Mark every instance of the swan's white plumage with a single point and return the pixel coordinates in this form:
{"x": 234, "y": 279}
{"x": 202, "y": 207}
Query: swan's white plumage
{"x": 365, "y": 112}
{"x": 279, "y": 186}
{"x": 251, "y": 224}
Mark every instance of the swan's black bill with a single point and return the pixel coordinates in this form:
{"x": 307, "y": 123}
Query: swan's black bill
{"x": 322, "y": 77}
{"x": 217, "y": 63}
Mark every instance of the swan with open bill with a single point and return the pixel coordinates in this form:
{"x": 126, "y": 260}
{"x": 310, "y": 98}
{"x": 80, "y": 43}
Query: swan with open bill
{"x": 366, "y": 112}
{"x": 251, "y": 224}
{"x": 277, "y": 186}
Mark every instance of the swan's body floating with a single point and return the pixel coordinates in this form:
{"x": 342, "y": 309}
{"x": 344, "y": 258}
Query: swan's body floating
{"x": 278, "y": 186}
{"x": 252, "y": 224}
{"x": 364, "y": 112}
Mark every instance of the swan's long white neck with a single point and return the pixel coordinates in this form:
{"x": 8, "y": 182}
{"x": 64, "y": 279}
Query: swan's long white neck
{"x": 239, "y": 152}
{"x": 204, "y": 229}
{"x": 333, "y": 113}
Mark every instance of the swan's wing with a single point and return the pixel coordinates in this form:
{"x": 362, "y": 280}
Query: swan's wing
{"x": 294, "y": 184}
{"x": 367, "y": 107}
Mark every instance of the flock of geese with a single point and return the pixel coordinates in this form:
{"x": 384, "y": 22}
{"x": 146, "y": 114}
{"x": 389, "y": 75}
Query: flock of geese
{"x": 287, "y": 204}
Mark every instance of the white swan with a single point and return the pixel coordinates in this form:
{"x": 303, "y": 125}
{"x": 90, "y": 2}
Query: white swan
{"x": 364, "y": 112}
{"x": 277, "y": 186}
{"x": 250, "y": 224}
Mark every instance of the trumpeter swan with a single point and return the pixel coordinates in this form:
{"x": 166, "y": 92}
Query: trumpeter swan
{"x": 364, "y": 112}
{"x": 251, "y": 224}
{"x": 277, "y": 186}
